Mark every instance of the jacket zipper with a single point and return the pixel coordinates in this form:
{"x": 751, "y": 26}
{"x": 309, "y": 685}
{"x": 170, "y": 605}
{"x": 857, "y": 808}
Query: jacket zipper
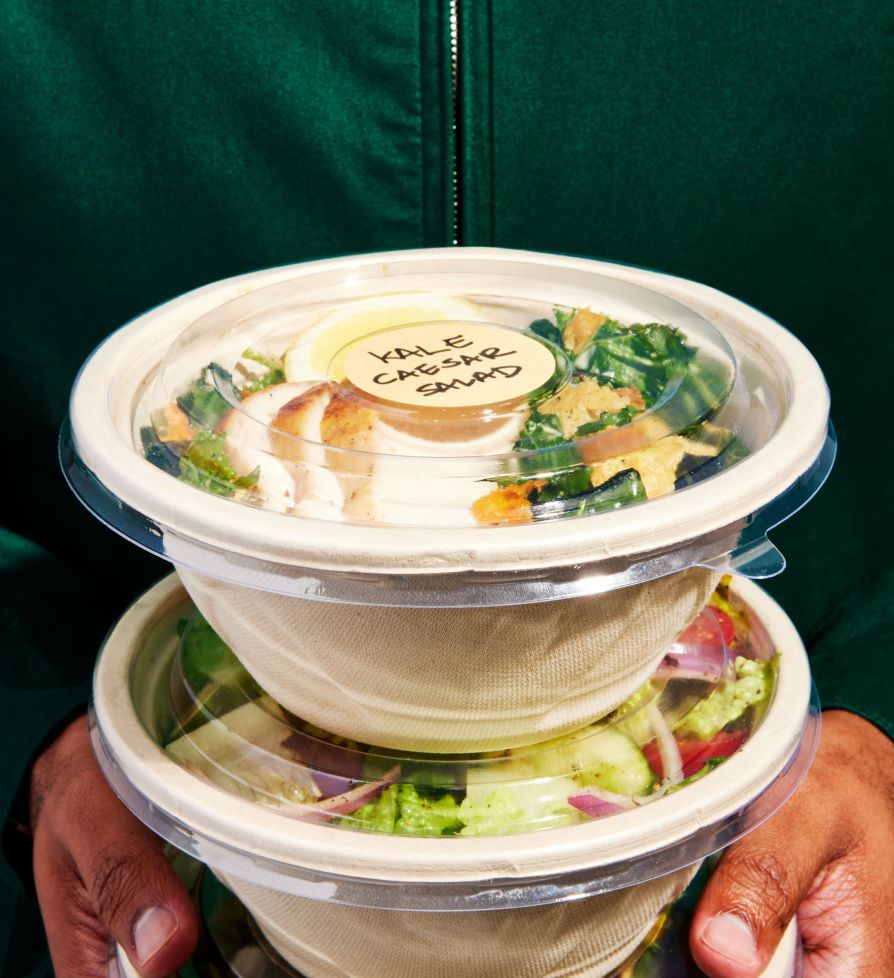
{"x": 454, "y": 121}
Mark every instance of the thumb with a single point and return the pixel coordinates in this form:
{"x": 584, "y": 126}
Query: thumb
{"x": 753, "y": 895}
{"x": 136, "y": 896}
{"x": 100, "y": 874}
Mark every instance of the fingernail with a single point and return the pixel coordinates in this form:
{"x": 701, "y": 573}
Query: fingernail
{"x": 730, "y": 936}
{"x": 155, "y": 927}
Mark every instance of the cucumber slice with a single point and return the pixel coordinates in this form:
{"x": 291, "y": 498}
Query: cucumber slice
{"x": 534, "y": 785}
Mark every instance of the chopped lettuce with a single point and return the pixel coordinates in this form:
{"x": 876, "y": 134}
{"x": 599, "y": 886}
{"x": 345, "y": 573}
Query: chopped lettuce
{"x": 730, "y": 700}
{"x": 402, "y": 810}
{"x": 275, "y": 373}
{"x": 216, "y": 678}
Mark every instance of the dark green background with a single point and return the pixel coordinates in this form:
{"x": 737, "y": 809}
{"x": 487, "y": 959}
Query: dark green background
{"x": 151, "y": 147}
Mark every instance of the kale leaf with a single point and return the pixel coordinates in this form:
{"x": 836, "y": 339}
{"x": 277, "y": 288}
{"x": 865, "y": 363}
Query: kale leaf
{"x": 275, "y": 372}
{"x": 546, "y": 331}
{"x": 622, "y": 489}
{"x": 606, "y": 420}
{"x": 644, "y": 357}
{"x": 159, "y": 454}
{"x": 202, "y": 402}
{"x": 571, "y": 494}
{"x": 207, "y": 465}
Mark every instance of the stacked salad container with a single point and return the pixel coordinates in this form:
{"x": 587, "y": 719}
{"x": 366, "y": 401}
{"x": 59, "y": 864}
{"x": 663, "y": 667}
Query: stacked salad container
{"x": 462, "y": 672}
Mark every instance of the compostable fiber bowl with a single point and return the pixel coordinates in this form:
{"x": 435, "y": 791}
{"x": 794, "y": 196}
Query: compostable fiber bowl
{"x": 327, "y": 897}
{"x": 393, "y": 528}
{"x": 243, "y": 838}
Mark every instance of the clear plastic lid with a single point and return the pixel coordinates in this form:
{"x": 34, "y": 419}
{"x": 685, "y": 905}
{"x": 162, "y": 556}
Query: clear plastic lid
{"x": 427, "y": 408}
{"x": 477, "y": 424}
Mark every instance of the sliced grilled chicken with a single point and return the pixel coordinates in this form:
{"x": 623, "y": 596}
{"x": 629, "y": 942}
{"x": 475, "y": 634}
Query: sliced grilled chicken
{"x": 379, "y": 488}
{"x": 246, "y": 427}
{"x": 295, "y": 435}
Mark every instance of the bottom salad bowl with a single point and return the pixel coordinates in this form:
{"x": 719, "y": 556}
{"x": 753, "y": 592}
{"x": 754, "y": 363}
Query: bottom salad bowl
{"x": 559, "y": 858}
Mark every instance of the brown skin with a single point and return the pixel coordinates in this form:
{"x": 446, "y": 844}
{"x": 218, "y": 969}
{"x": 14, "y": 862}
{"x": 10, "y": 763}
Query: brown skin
{"x": 97, "y": 869}
{"x": 828, "y": 853}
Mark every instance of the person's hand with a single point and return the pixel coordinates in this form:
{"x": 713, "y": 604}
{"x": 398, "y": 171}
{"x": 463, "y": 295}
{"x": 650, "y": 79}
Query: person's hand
{"x": 100, "y": 874}
{"x": 827, "y": 855}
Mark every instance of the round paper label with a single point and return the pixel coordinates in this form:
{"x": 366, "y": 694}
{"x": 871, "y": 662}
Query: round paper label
{"x": 448, "y": 365}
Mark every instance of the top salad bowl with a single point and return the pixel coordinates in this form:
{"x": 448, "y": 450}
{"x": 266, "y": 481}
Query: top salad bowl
{"x": 454, "y": 427}
{"x": 458, "y": 433}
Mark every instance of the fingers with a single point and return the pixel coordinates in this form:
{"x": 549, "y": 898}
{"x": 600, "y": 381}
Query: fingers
{"x": 101, "y": 874}
{"x": 749, "y": 902}
{"x": 825, "y": 855}
{"x": 78, "y": 944}
{"x": 759, "y": 885}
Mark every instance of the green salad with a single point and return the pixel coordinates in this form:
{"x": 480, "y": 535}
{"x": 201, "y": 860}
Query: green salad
{"x": 642, "y": 386}
{"x": 698, "y": 709}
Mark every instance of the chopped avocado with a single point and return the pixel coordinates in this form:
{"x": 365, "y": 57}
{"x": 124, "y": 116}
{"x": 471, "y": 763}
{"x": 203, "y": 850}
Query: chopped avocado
{"x": 730, "y": 700}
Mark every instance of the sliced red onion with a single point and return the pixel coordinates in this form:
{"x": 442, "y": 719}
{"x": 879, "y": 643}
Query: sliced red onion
{"x": 331, "y": 784}
{"x": 350, "y": 801}
{"x": 671, "y": 761}
{"x": 706, "y": 663}
{"x": 594, "y": 806}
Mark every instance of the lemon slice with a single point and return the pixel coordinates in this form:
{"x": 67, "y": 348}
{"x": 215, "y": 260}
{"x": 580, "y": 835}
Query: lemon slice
{"x": 309, "y": 356}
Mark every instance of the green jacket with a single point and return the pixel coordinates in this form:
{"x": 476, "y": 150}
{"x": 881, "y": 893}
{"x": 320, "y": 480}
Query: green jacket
{"x": 152, "y": 147}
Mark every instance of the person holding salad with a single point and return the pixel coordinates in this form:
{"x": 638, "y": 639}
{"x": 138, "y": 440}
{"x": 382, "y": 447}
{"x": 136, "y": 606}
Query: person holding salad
{"x": 150, "y": 149}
